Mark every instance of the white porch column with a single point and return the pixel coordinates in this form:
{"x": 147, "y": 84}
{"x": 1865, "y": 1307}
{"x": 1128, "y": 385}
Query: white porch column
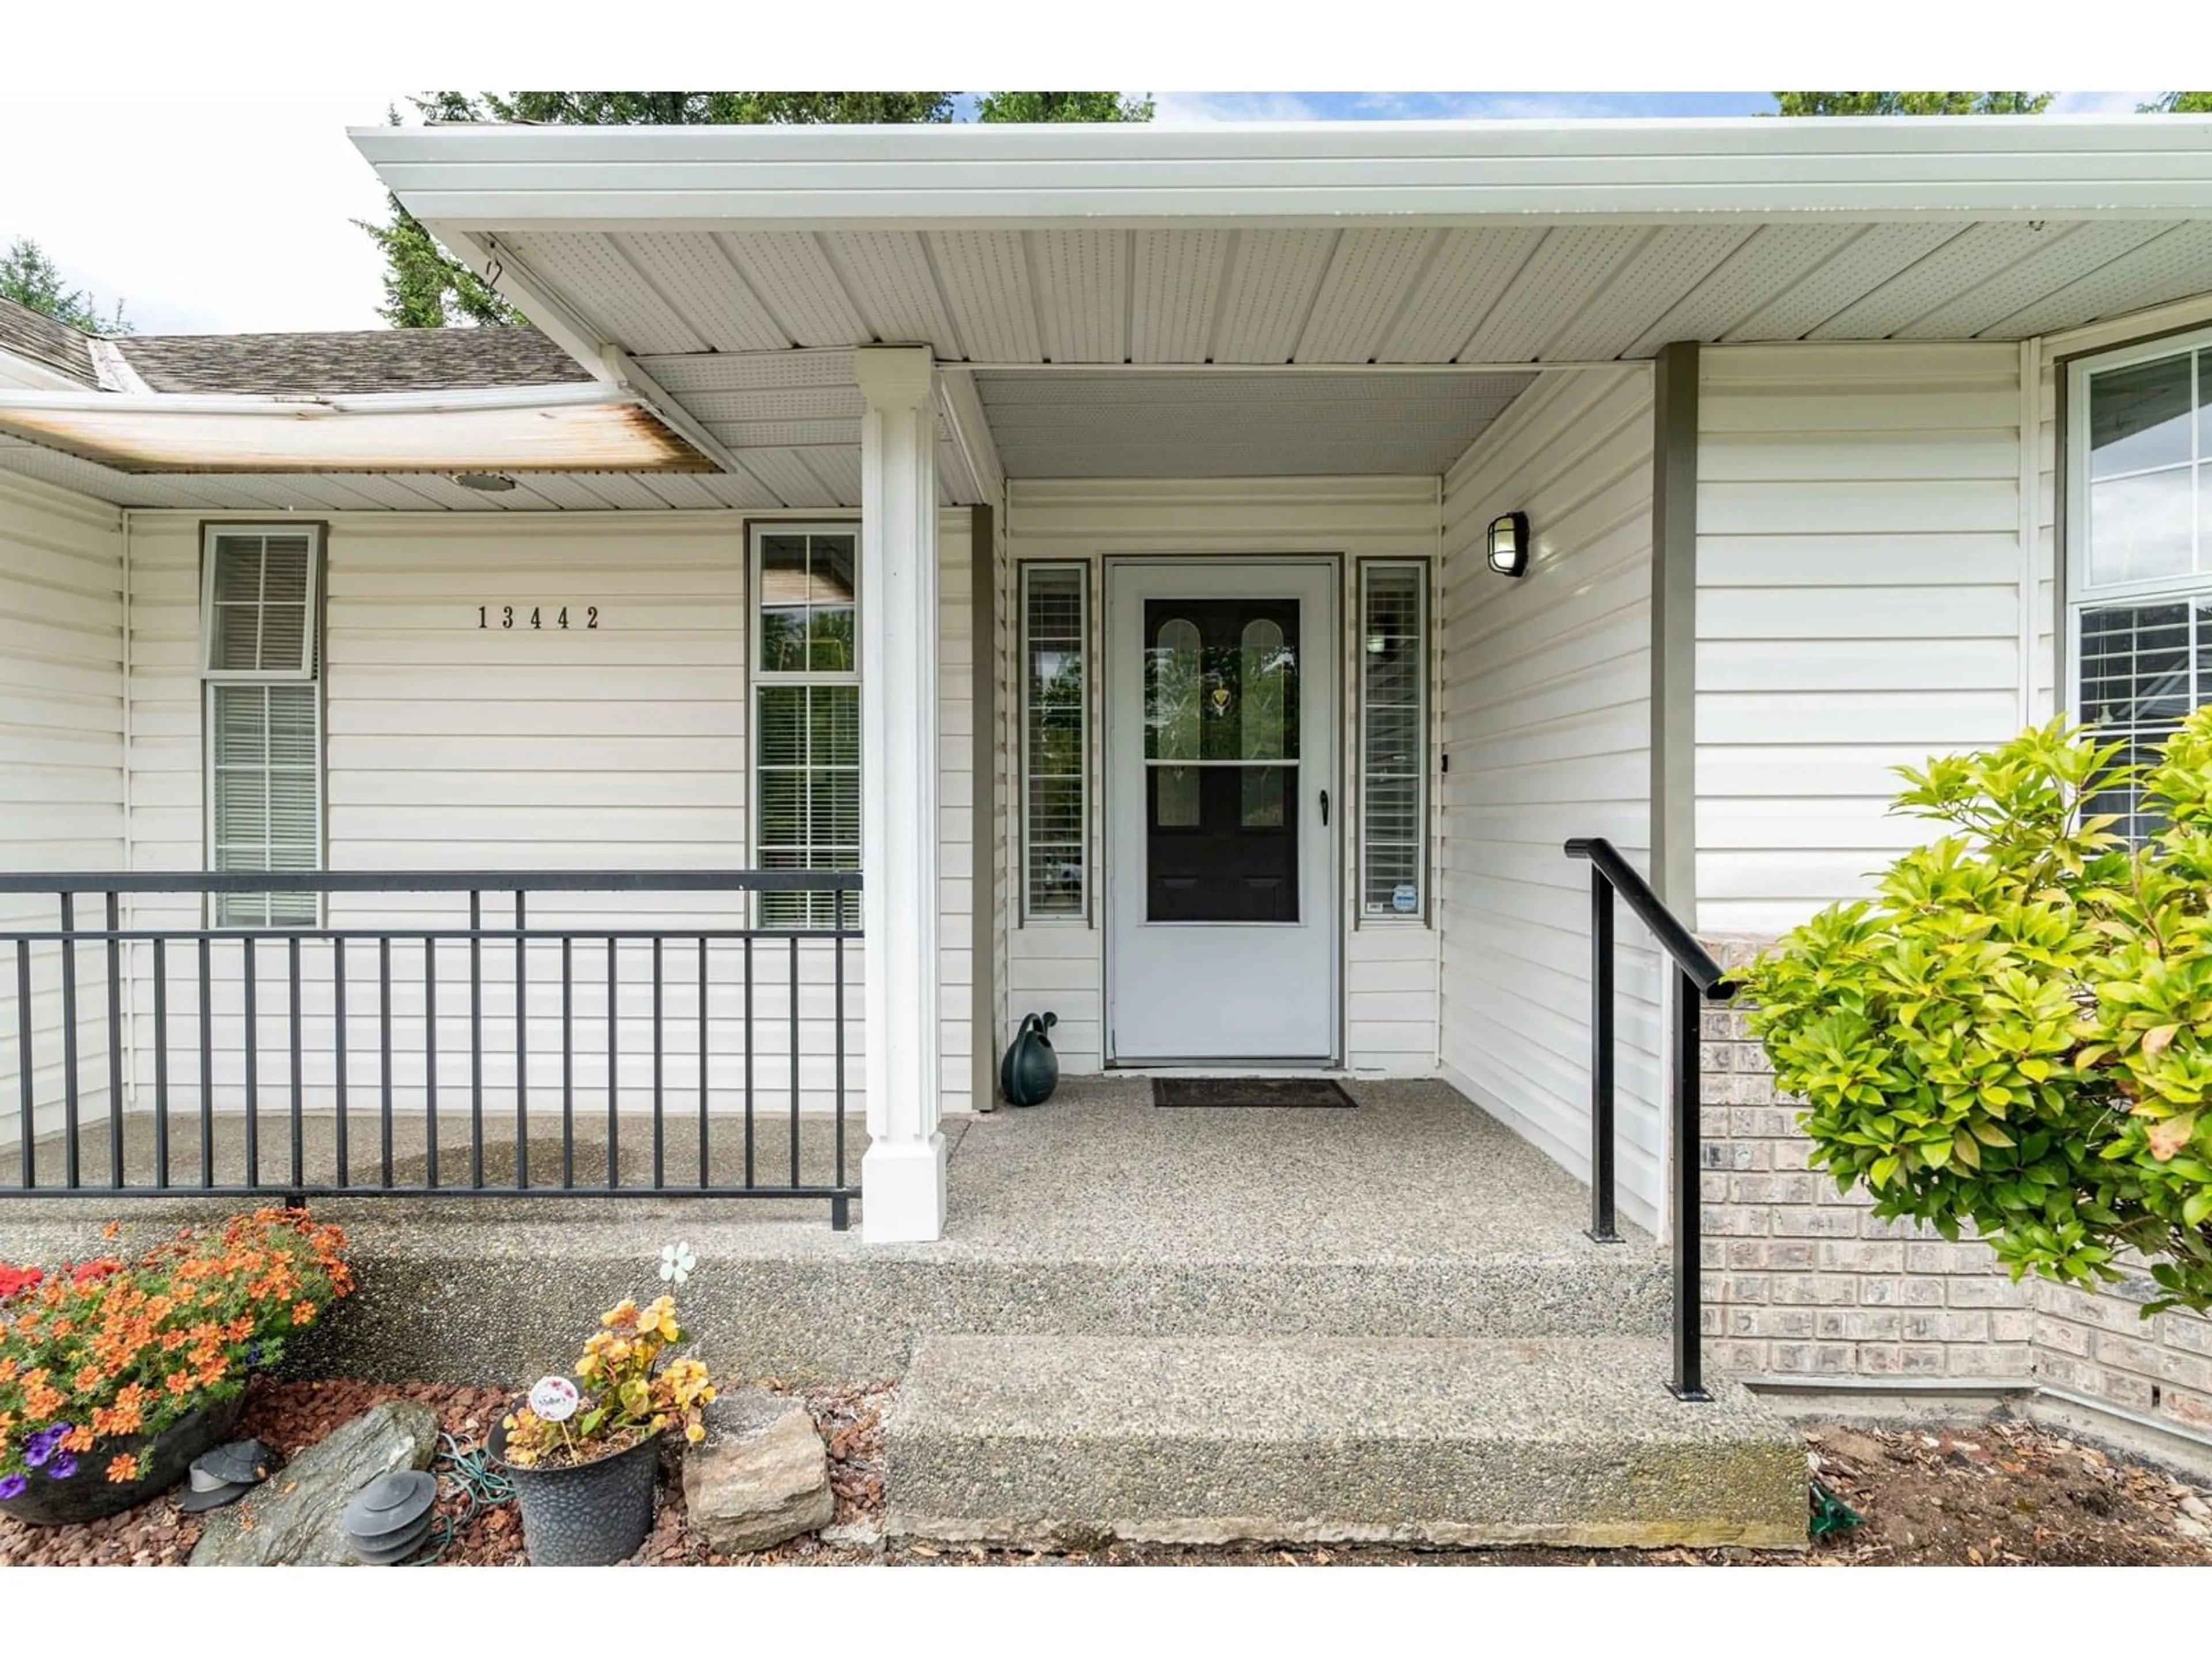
{"x": 902, "y": 1174}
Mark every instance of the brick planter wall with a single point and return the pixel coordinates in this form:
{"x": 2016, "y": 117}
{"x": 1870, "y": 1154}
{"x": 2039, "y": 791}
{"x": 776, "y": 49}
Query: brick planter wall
{"x": 1802, "y": 1281}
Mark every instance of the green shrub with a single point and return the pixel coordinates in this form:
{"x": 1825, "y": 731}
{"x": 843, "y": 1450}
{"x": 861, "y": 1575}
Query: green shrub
{"x": 2017, "y": 1034}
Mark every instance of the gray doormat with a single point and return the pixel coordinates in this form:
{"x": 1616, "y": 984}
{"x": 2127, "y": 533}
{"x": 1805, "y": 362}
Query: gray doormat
{"x": 1249, "y": 1091}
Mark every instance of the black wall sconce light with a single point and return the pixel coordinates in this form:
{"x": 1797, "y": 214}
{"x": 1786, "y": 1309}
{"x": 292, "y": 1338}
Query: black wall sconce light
{"x": 1509, "y": 544}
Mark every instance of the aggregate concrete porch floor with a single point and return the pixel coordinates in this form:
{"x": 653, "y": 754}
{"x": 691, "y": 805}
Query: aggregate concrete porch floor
{"x": 1414, "y": 1214}
{"x": 1414, "y": 1172}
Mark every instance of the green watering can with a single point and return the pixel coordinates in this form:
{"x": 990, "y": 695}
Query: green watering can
{"x": 1030, "y": 1071}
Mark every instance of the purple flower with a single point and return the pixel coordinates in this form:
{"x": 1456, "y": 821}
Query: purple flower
{"x": 41, "y": 1446}
{"x": 62, "y": 1467}
{"x": 12, "y": 1486}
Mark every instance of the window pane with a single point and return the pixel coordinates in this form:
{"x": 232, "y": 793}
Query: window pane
{"x": 831, "y": 648}
{"x": 235, "y": 644}
{"x": 2139, "y": 416}
{"x": 808, "y": 813}
{"x": 265, "y": 795}
{"x": 1054, "y": 647}
{"x": 238, "y": 569}
{"x": 783, "y": 605}
{"x": 781, "y": 739}
{"x": 829, "y": 590}
{"x": 2144, "y": 668}
{"x": 1393, "y": 735}
{"x": 2204, "y": 406}
{"x": 834, "y": 739}
{"x": 2140, "y": 528}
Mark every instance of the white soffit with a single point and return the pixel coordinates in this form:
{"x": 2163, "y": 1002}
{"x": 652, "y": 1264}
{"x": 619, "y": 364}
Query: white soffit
{"x": 1564, "y": 293}
{"x": 1168, "y": 425}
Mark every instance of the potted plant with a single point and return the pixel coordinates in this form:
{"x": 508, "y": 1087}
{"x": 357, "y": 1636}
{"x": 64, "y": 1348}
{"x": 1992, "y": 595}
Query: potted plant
{"x": 583, "y": 1454}
{"x": 114, "y": 1376}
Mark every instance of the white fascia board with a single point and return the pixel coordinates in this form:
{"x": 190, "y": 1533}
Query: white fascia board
{"x": 1856, "y": 168}
{"x": 310, "y": 408}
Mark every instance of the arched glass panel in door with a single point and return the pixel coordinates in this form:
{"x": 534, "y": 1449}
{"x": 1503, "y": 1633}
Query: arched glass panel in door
{"x": 1221, "y": 759}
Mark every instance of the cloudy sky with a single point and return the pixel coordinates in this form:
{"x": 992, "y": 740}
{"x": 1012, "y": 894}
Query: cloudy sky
{"x": 202, "y": 224}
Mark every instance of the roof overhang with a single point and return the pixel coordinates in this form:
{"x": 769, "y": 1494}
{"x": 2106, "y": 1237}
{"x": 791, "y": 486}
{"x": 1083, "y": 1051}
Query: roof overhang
{"x": 541, "y": 429}
{"x": 1865, "y": 168}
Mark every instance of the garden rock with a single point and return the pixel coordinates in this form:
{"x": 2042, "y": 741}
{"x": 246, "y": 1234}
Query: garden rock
{"x": 761, "y": 1476}
{"x": 292, "y": 1519}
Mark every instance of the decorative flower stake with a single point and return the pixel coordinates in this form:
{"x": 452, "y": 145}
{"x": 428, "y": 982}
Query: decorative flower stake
{"x": 677, "y": 1262}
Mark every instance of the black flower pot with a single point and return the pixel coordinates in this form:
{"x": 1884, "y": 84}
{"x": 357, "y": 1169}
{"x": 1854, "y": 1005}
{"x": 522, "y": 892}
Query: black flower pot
{"x": 163, "y": 1460}
{"x": 586, "y": 1515}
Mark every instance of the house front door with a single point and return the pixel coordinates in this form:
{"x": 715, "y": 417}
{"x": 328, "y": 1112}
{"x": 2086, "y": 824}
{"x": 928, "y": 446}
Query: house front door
{"x": 1222, "y": 811}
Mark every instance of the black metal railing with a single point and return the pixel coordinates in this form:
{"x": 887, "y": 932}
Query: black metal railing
{"x": 1696, "y": 980}
{"x": 147, "y": 1040}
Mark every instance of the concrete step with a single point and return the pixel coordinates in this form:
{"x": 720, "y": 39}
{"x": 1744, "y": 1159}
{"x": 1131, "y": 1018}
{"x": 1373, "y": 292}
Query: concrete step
{"x": 1037, "y": 1441}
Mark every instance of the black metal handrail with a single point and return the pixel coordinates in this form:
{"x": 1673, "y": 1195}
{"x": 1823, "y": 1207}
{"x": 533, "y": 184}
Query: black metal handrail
{"x": 1698, "y": 979}
{"x": 333, "y": 958}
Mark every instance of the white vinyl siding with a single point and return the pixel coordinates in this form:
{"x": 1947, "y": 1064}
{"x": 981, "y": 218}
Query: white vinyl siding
{"x": 1860, "y": 559}
{"x": 1056, "y": 693}
{"x": 1545, "y": 711}
{"x": 62, "y": 734}
{"x": 451, "y": 746}
{"x": 1389, "y": 973}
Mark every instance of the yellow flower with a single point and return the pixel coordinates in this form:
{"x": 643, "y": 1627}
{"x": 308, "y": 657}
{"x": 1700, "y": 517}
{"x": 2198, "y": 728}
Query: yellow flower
{"x": 694, "y": 1433}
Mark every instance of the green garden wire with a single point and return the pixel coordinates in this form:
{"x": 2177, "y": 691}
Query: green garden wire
{"x": 481, "y": 1483}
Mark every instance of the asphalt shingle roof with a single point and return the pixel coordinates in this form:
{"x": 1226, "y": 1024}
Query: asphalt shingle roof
{"x": 34, "y": 335}
{"x": 384, "y": 360}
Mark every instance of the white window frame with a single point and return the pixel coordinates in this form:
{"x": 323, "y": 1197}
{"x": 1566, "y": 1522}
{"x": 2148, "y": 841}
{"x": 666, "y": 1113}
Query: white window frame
{"x": 1081, "y": 916}
{"x": 2080, "y": 597}
{"x": 1423, "y": 574}
{"x": 756, "y": 533}
{"x": 309, "y": 672}
{"x": 311, "y": 636}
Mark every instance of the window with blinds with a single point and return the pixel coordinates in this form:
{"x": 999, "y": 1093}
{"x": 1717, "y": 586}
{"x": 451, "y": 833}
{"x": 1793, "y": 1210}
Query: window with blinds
{"x": 263, "y": 714}
{"x": 806, "y": 714}
{"x": 2140, "y": 550}
{"x": 1393, "y": 746}
{"x": 1056, "y": 645}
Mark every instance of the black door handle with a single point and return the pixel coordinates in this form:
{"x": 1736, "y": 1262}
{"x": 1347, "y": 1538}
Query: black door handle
{"x": 1324, "y": 809}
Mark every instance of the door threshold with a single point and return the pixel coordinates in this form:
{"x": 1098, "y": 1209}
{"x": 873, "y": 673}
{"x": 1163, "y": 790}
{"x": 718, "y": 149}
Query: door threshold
{"x": 1202, "y": 1068}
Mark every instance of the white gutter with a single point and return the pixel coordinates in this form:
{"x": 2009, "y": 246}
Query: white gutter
{"x": 1863, "y": 168}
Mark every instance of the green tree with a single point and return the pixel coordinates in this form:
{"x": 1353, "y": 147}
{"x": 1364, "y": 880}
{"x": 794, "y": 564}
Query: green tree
{"x": 425, "y": 287}
{"x": 1035, "y": 106}
{"x": 1913, "y": 103}
{"x": 2178, "y": 103}
{"x": 29, "y": 278}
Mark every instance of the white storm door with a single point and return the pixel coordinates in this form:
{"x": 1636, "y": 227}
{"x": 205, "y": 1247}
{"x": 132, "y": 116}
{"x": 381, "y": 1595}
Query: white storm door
{"x": 1222, "y": 811}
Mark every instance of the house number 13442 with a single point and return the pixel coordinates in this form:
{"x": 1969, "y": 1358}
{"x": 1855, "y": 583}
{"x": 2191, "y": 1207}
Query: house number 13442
{"x": 537, "y": 616}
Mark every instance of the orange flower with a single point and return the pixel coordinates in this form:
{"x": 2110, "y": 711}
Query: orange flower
{"x": 123, "y": 1468}
{"x": 303, "y": 1312}
{"x": 78, "y": 1439}
{"x": 179, "y": 1383}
